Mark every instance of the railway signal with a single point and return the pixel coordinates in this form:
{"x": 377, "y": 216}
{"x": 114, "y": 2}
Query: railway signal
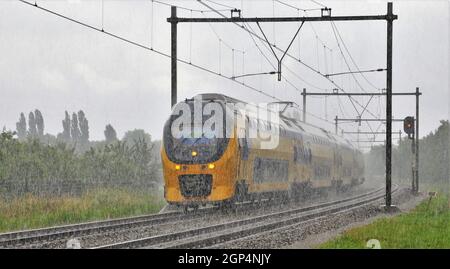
{"x": 408, "y": 126}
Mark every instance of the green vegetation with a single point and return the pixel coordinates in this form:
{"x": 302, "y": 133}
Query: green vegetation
{"x": 433, "y": 160}
{"x": 32, "y": 166}
{"x": 48, "y": 180}
{"x": 427, "y": 226}
{"x": 31, "y": 211}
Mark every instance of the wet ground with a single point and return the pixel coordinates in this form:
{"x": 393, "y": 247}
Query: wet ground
{"x": 315, "y": 232}
{"x": 314, "y": 240}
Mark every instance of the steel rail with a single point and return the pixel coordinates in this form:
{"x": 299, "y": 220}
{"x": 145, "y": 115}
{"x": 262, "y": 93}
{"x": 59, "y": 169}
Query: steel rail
{"x": 215, "y": 239}
{"x": 166, "y": 238}
{"x": 87, "y": 228}
{"x": 44, "y": 235}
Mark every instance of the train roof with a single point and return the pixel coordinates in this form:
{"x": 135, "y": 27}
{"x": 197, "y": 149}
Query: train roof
{"x": 311, "y": 130}
{"x": 290, "y": 124}
{"x": 218, "y": 96}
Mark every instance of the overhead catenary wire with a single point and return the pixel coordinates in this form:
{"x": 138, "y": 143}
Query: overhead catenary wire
{"x": 316, "y": 34}
{"x": 317, "y": 40}
{"x": 103, "y": 15}
{"x": 250, "y": 30}
{"x": 267, "y": 59}
{"x": 146, "y": 48}
{"x": 322, "y": 5}
{"x": 232, "y": 63}
{"x": 233, "y": 50}
{"x": 351, "y": 58}
{"x": 353, "y": 75}
{"x": 299, "y": 9}
{"x": 273, "y": 66}
{"x": 220, "y": 56}
{"x": 326, "y": 66}
{"x": 220, "y": 38}
{"x": 317, "y": 54}
{"x": 345, "y": 60}
{"x": 356, "y": 72}
{"x": 185, "y": 8}
{"x": 190, "y": 41}
{"x": 262, "y": 39}
{"x": 352, "y": 100}
{"x": 220, "y": 4}
{"x": 273, "y": 24}
{"x": 299, "y": 39}
{"x": 152, "y": 25}
{"x": 243, "y": 65}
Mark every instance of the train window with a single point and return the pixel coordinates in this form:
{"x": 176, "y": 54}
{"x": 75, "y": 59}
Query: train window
{"x": 322, "y": 171}
{"x": 270, "y": 170}
{"x": 307, "y": 155}
{"x": 179, "y": 149}
{"x": 299, "y": 154}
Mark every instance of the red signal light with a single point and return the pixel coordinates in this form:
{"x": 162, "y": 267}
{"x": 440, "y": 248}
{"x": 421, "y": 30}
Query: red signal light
{"x": 408, "y": 125}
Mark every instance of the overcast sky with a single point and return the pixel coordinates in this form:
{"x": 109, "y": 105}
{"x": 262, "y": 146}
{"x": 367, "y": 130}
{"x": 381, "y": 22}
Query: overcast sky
{"x": 55, "y": 65}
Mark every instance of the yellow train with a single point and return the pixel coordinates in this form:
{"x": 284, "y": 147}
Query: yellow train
{"x": 218, "y": 170}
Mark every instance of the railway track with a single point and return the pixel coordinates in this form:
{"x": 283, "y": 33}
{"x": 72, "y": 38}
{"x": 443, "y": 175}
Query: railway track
{"x": 12, "y": 239}
{"x": 38, "y": 237}
{"x": 44, "y": 235}
{"x": 224, "y": 232}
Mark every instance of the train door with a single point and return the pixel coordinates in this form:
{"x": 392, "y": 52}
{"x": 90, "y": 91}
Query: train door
{"x": 337, "y": 166}
{"x": 298, "y": 160}
{"x": 244, "y": 150}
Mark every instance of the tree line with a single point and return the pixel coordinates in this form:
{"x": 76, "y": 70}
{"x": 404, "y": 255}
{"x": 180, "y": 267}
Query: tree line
{"x": 75, "y": 130}
{"x": 433, "y": 158}
{"x": 28, "y": 157}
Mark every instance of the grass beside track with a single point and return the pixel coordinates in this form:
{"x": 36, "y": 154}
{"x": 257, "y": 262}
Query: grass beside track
{"x": 427, "y": 226}
{"x": 31, "y": 212}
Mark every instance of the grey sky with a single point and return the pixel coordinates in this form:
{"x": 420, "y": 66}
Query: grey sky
{"x": 55, "y": 65}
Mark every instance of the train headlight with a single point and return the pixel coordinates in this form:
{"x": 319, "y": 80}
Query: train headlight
{"x": 211, "y": 166}
{"x": 177, "y": 167}
{"x": 194, "y": 153}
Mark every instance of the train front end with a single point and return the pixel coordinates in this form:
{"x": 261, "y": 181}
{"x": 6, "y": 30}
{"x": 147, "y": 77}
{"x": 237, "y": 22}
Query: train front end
{"x": 199, "y": 161}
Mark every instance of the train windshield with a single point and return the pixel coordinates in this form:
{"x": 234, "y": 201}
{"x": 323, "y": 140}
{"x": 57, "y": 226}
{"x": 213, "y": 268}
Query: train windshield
{"x": 189, "y": 148}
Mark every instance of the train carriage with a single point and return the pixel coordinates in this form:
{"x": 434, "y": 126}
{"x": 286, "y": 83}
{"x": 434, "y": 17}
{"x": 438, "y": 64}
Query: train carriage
{"x": 205, "y": 169}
